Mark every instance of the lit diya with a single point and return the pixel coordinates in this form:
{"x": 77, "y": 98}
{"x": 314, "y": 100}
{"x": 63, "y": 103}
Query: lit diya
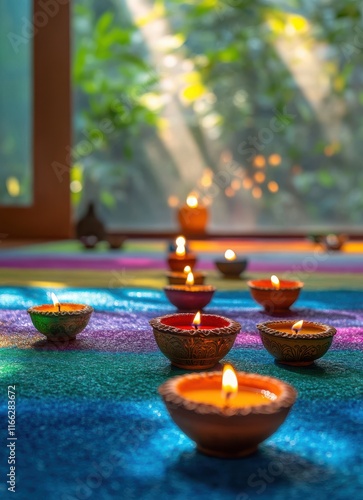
{"x": 193, "y": 216}
{"x": 189, "y": 297}
{"x": 180, "y": 258}
{"x": 179, "y": 278}
{"x": 194, "y": 341}
{"x": 60, "y": 322}
{"x": 276, "y": 296}
{"x": 296, "y": 343}
{"x": 227, "y": 415}
{"x": 231, "y": 266}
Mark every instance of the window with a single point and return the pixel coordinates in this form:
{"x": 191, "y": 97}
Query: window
{"x": 255, "y": 106}
{"x": 15, "y": 106}
{"x": 35, "y": 126}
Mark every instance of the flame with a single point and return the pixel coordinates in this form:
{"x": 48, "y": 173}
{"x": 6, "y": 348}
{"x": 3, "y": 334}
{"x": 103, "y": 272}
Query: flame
{"x": 297, "y": 326}
{"x": 229, "y": 381}
{"x": 180, "y": 250}
{"x": 190, "y": 279}
{"x": 187, "y": 269}
{"x": 196, "y": 320}
{"x": 230, "y": 255}
{"x": 55, "y": 299}
{"x": 180, "y": 241}
{"x": 192, "y": 201}
{"x": 275, "y": 282}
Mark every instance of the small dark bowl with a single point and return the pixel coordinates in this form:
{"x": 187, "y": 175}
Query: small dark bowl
{"x": 233, "y": 268}
{"x": 189, "y": 298}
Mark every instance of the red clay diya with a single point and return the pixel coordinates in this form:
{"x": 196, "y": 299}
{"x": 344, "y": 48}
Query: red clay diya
{"x": 60, "y": 322}
{"x": 231, "y": 266}
{"x": 296, "y": 344}
{"x": 227, "y": 415}
{"x": 194, "y": 342}
{"x": 189, "y": 297}
{"x": 179, "y": 259}
{"x": 276, "y": 296}
{"x": 193, "y": 217}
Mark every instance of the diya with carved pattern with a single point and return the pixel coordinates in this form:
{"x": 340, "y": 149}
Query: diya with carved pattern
{"x": 296, "y": 344}
{"x": 193, "y": 217}
{"x": 194, "y": 342}
{"x": 179, "y": 259}
{"x": 232, "y": 266}
{"x": 227, "y": 415}
{"x": 189, "y": 297}
{"x": 60, "y": 322}
{"x": 276, "y": 296}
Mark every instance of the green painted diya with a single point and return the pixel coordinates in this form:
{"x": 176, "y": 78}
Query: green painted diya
{"x": 61, "y": 322}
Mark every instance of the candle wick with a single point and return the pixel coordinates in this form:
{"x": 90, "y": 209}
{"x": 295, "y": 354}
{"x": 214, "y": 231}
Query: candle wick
{"x": 59, "y": 309}
{"x": 195, "y": 327}
{"x": 228, "y": 395}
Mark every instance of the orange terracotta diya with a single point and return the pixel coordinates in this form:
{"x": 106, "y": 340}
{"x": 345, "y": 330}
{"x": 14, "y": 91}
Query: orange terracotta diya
{"x": 178, "y": 260}
{"x": 193, "y": 217}
{"x": 60, "y": 322}
{"x": 179, "y": 278}
{"x": 296, "y": 343}
{"x": 189, "y": 297}
{"x": 276, "y": 296}
{"x": 194, "y": 341}
{"x": 227, "y": 415}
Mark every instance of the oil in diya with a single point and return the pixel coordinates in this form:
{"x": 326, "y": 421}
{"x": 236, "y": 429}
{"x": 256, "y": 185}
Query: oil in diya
{"x": 179, "y": 259}
{"x": 60, "y": 322}
{"x": 192, "y": 216}
{"x": 189, "y": 297}
{"x": 276, "y": 296}
{"x": 232, "y": 266}
{"x": 194, "y": 342}
{"x": 296, "y": 343}
{"x": 227, "y": 414}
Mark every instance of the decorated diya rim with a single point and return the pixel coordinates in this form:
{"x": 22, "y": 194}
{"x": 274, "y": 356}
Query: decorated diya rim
{"x": 190, "y": 288}
{"x": 79, "y": 310}
{"x": 266, "y": 327}
{"x": 297, "y": 285}
{"x": 230, "y": 326}
{"x": 285, "y": 399}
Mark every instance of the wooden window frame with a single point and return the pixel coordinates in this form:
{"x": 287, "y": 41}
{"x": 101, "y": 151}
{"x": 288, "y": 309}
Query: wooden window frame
{"x": 49, "y": 216}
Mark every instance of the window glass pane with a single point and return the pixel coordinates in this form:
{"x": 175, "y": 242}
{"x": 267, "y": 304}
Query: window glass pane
{"x": 254, "y": 106}
{"x": 15, "y": 102}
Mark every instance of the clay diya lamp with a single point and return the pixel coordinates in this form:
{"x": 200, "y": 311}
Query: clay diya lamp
{"x": 60, "y": 322}
{"x": 189, "y": 297}
{"x": 179, "y": 278}
{"x": 115, "y": 241}
{"x": 227, "y": 415}
{"x": 231, "y": 267}
{"x": 179, "y": 259}
{"x": 334, "y": 242}
{"x": 276, "y": 296}
{"x": 193, "y": 217}
{"x": 296, "y": 344}
{"x": 194, "y": 342}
